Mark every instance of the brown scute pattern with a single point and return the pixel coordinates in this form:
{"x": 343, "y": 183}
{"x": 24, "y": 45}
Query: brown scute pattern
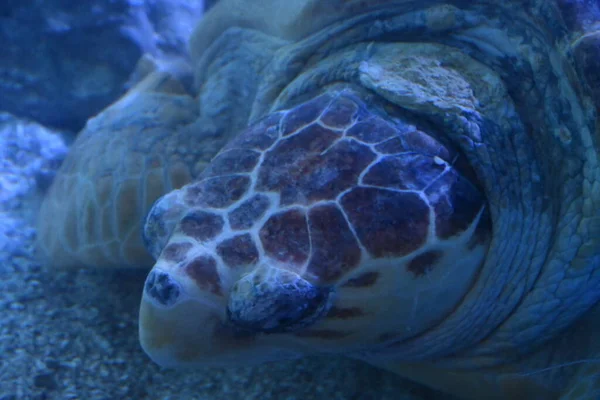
{"x": 259, "y": 136}
{"x": 71, "y": 234}
{"x": 176, "y": 252}
{"x": 285, "y": 237}
{"x": 456, "y": 204}
{"x": 337, "y": 170}
{"x": 344, "y": 313}
{"x": 364, "y": 280}
{"x": 335, "y": 250}
{"x": 394, "y": 145}
{"x": 128, "y": 208}
{"x": 405, "y": 171}
{"x": 201, "y": 225}
{"x": 372, "y": 130}
{"x": 340, "y": 113}
{"x": 423, "y": 263}
{"x": 311, "y": 176}
{"x": 423, "y": 143}
{"x": 388, "y": 224}
{"x": 231, "y": 162}
{"x": 203, "y": 270}
{"x": 104, "y": 188}
{"x": 327, "y": 334}
{"x": 218, "y": 192}
{"x": 291, "y": 158}
{"x": 303, "y": 114}
{"x": 107, "y": 226}
{"x": 238, "y": 251}
{"x": 311, "y": 140}
{"x": 248, "y": 212}
{"x": 90, "y": 223}
{"x": 414, "y": 141}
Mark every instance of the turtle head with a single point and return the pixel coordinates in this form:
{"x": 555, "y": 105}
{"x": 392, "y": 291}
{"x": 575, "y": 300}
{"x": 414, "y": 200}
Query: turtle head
{"x": 211, "y": 298}
{"x": 328, "y": 227}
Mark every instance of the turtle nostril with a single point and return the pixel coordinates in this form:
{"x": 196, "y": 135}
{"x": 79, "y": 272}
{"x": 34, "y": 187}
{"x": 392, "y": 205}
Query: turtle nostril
{"x": 161, "y": 288}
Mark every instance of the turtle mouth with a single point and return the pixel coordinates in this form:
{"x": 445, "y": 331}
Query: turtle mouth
{"x": 274, "y": 300}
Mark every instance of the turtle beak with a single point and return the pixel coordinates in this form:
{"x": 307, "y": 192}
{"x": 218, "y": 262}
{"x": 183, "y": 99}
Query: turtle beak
{"x": 172, "y": 337}
{"x": 168, "y": 333}
{"x": 179, "y": 326}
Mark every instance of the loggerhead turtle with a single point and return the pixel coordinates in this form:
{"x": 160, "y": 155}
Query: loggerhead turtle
{"x": 410, "y": 183}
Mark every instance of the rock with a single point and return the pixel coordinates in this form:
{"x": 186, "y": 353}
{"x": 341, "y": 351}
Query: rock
{"x": 45, "y": 381}
{"x": 29, "y": 157}
{"x": 64, "y": 61}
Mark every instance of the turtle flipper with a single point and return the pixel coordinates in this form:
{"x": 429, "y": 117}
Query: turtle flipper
{"x": 153, "y": 140}
{"x": 125, "y": 158}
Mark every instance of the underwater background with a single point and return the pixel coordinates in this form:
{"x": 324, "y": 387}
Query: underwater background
{"x": 73, "y": 334}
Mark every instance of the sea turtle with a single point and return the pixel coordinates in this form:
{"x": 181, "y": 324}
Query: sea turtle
{"x": 410, "y": 183}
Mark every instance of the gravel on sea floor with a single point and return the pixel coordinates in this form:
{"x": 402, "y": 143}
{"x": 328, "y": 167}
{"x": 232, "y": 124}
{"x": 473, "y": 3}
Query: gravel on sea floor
{"x": 73, "y": 335}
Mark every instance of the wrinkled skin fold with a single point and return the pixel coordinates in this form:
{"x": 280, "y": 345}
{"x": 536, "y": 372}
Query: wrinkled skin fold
{"x": 261, "y": 255}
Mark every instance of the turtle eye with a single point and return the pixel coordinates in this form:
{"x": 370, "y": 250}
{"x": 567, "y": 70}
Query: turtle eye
{"x": 273, "y": 300}
{"x": 161, "y": 220}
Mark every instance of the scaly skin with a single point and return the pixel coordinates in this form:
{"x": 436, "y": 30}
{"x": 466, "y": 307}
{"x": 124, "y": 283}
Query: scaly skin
{"x": 506, "y": 84}
{"x": 326, "y": 225}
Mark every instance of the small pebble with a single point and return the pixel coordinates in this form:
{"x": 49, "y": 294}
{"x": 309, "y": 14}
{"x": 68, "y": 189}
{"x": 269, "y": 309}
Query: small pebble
{"x": 45, "y": 381}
